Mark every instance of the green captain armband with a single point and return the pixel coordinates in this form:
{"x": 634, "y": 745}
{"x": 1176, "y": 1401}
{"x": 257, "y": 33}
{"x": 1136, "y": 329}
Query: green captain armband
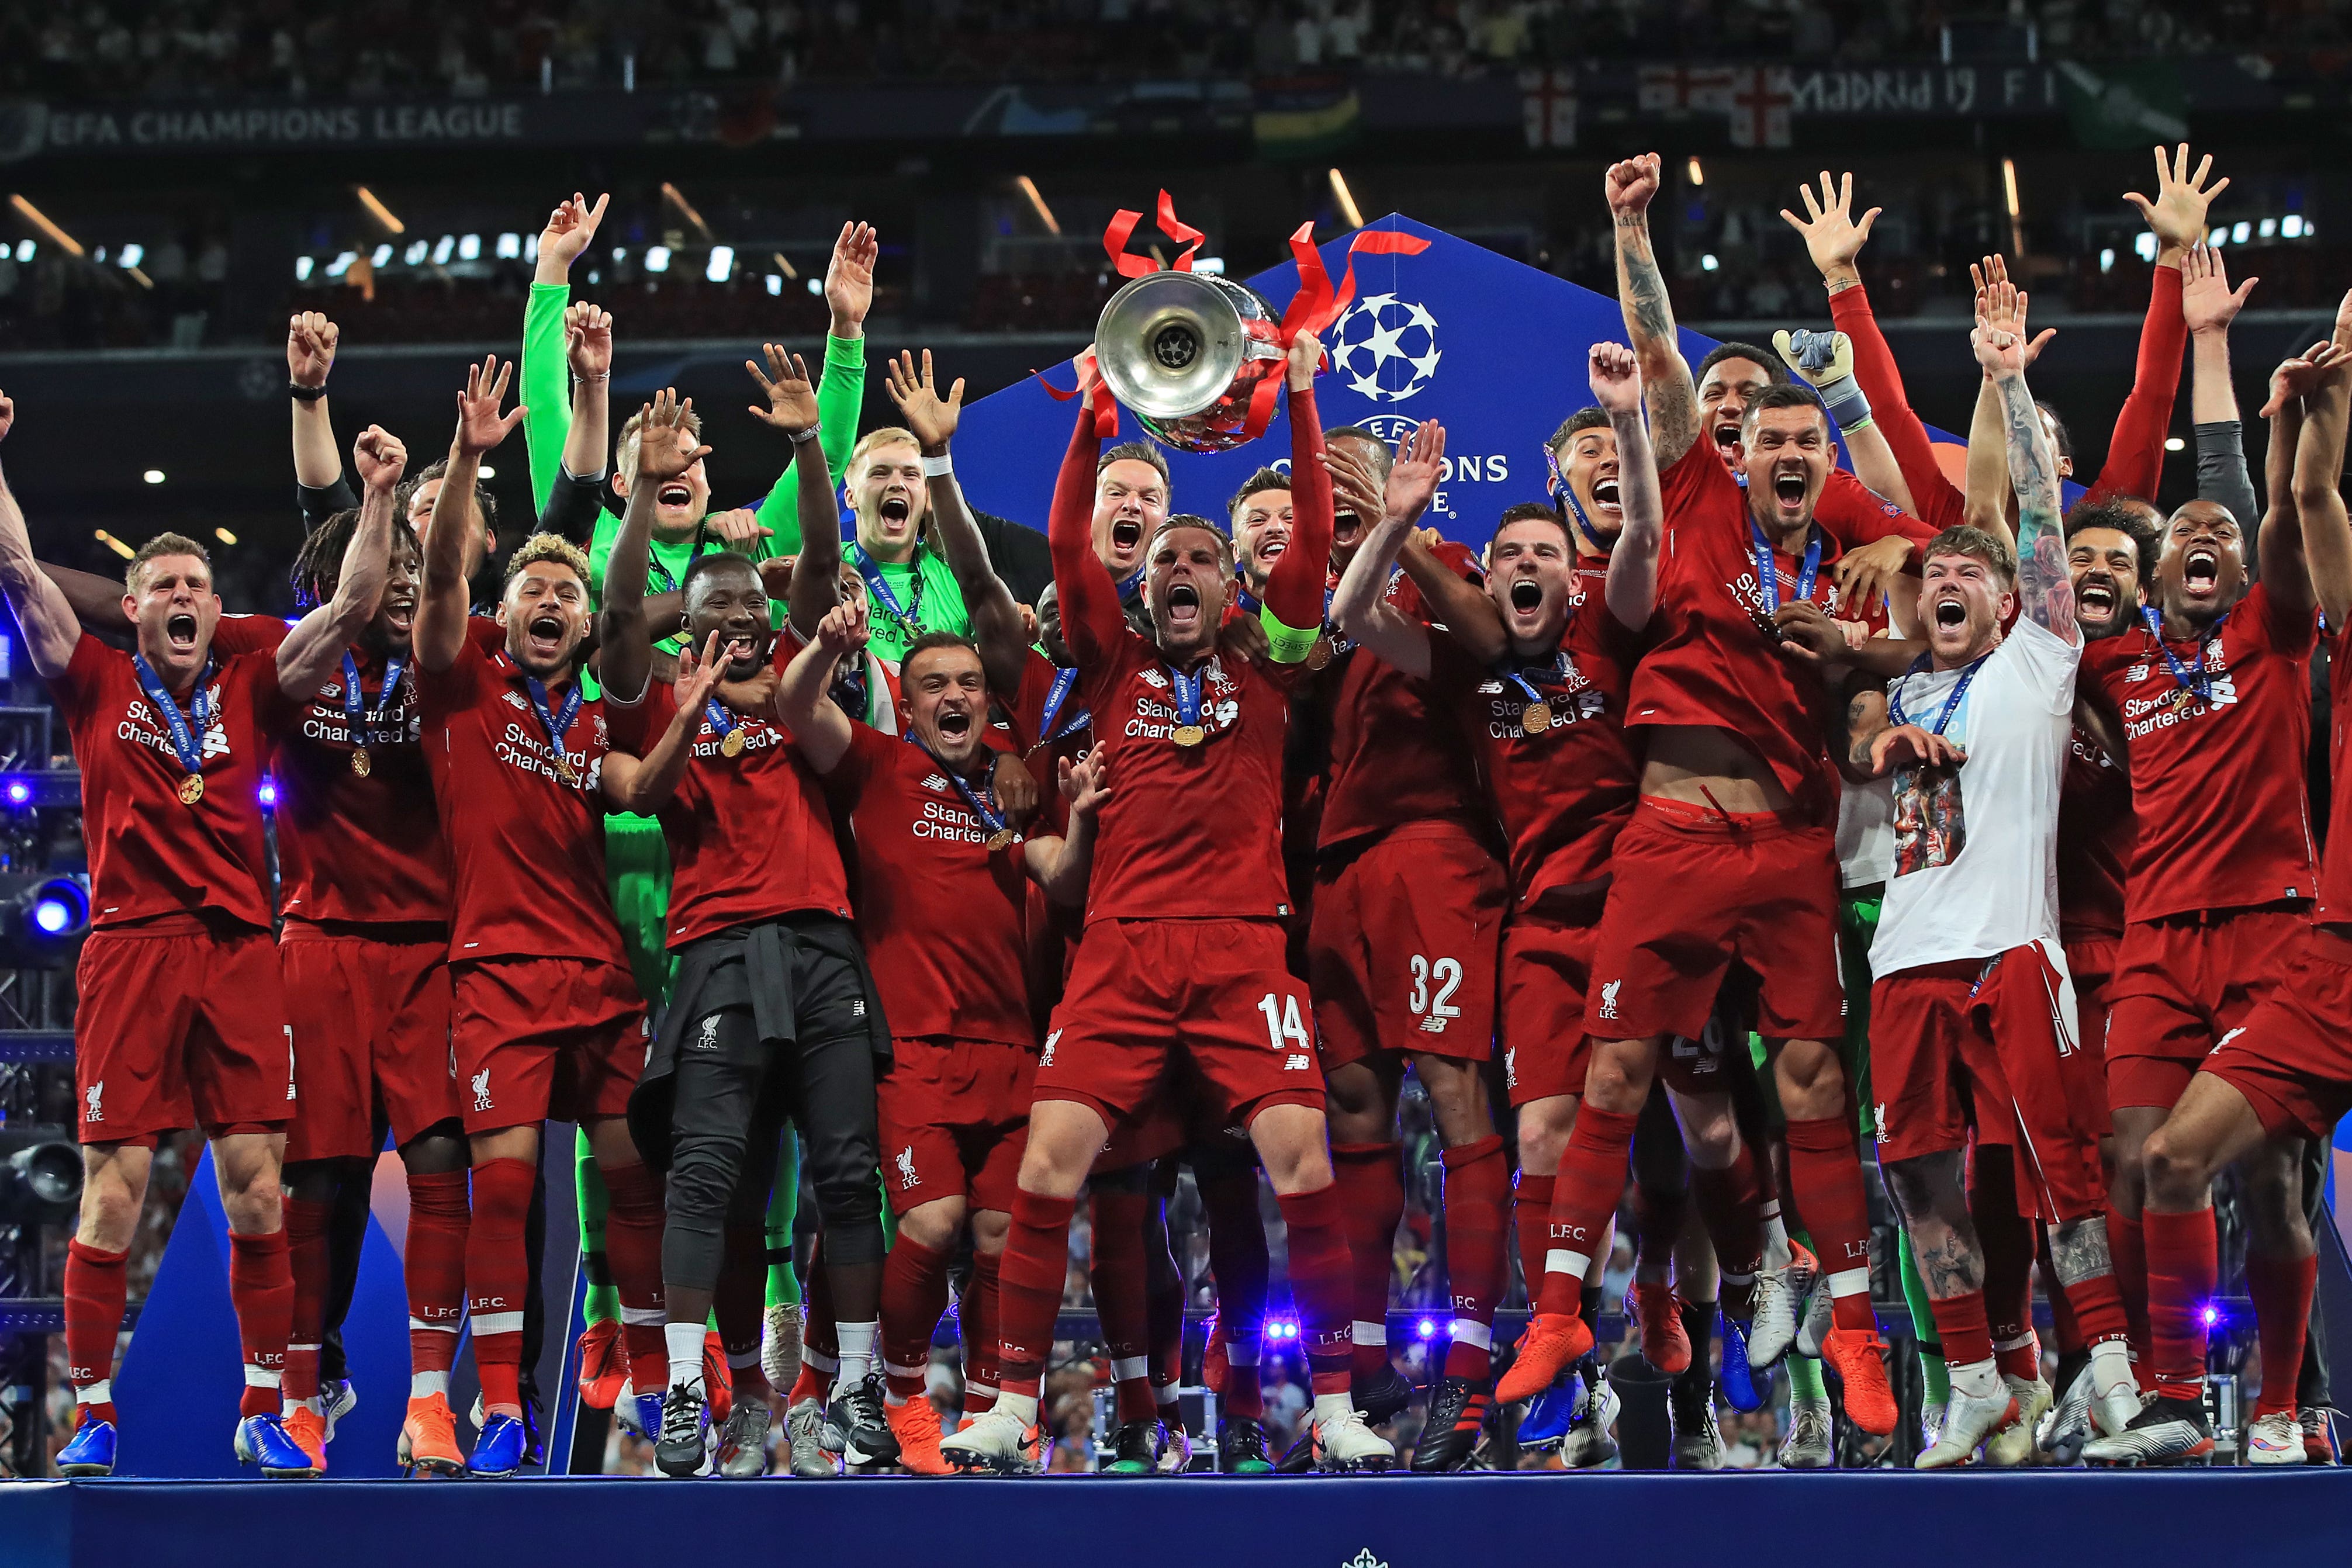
{"x": 1286, "y": 645}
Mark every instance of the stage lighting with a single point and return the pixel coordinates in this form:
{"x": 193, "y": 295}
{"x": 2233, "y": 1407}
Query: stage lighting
{"x": 131, "y": 256}
{"x": 2144, "y": 248}
{"x": 775, "y": 284}
{"x": 342, "y": 264}
{"x": 722, "y": 264}
{"x": 658, "y": 259}
{"x": 2209, "y": 1314}
{"x": 1427, "y": 1328}
{"x": 18, "y": 792}
{"x": 25, "y": 249}
{"x": 303, "y": 270}
{"x": 2289, "y": 228}
{"x": 2268, "y": 229}
{"x": 509, "y": 247}
{"x": 2218, "y": 237}
{"x": 1707, "y": 262}
{"x": 44, "y": 916}
{"x": 2106, "y": 261}
{"x": 153, "y": 475}
{"x": 442, "y": 247}
{"x": 470, "y": 248}
{"x": 267, "y": 793}
{"x": 416, "y": 252}
{"x": 40, "y": 1184}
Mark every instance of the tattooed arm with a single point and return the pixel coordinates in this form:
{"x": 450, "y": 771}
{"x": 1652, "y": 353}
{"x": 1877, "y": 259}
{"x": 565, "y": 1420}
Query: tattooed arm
{"x": 2042, "y": 581}
{"x": 1672, "y": 398}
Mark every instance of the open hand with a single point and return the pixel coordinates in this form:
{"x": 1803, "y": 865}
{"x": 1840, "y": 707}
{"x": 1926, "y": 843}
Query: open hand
{"x": 570, "y": 228}
{"x": 2300, "y": 376}
{"x": 666, "y": 446}
{"x": 791, "y": 397}
{"x": 2208, "y": 303}
{"x": 1413, "y": 476}
{"x": 480, "y": 427}
{"x": 2004, "y": 303}
{"x": 1085, "y": 784}
{"x": 8, "y": 414}
{"x": 2178, "y": 213}
{"x": 1833, "y": 237}
{"x": 697, "y": 678}
{"x": 1868, "y": 574}
{"x": 1354, "y": 488}
{"x": 849, "y": 278}
{"x": 930, "y": 417}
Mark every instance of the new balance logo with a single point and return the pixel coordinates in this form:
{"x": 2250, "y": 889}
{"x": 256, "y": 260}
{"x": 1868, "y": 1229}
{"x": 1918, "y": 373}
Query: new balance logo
{"x": 1297, "y": 1061}
{"x": 1436, "y": 1023}
{"x": 517, "y": 698}
{"x": 933, "y": 781}
{"x": 1154, "y": 679}
{"x": 1609, "y": 1000}
{"x": 2229, "y": 1037}
{"x": 482, "y": 1090}
{"x": 908, "y": 1181}
{"x": 93, "y": 1111}
{"x": 2137, "y": 672}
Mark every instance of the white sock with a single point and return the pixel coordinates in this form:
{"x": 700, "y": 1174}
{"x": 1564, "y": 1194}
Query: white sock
{"x": 1331, "y": 1408}
{"x": 2111, "y": 1367}
{"x": 1777, "y": 1254}
{"x": 856, "y": 1342}
{"x": 1021, "y": 1408}
{"x": 1977, "y": 1379}
{"x": 685, "y": 1343}
{"x": 425, "y": 1384}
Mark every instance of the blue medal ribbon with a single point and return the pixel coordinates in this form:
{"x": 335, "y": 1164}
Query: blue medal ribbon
{"x": 1132, "y": 583}
{"x": 1951, "y": 703}
{"x": 1065, "y": 682}
{"x": 720, "y": 721}
{"x": 557, "y": 729}
{"x": 2196, "y": 682}
{"x": 657, "y": 575}
{"x": 1250, "y": 602}
{"x": 1517, "y": 675}
{"x": 878, "y": 591}
{"x": 361, "y": 722}
{"x": 187, "y": 741}
{"x": 1767, "y": 569}
{"x": 981, "y": 807}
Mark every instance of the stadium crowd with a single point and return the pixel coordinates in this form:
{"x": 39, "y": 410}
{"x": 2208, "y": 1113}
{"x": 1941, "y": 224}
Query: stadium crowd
{"x": 1727, "y": 811}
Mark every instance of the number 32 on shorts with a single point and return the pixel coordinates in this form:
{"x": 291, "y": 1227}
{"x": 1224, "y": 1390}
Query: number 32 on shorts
{"x": 1434, "y": 1009}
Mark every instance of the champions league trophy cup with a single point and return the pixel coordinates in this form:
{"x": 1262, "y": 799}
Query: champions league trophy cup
{"x": 1186, "y": 352}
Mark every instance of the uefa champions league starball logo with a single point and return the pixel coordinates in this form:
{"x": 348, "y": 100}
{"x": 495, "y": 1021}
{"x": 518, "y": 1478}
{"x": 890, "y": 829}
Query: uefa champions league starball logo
{"x": 1385, "y": 348}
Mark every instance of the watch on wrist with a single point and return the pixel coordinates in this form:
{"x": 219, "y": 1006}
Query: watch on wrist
{"x": 802, "y": 438}
{"x": 302, "y": 393}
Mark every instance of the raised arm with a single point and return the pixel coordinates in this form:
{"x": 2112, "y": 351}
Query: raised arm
{"x": 1632, "y": 582}
{"x": 456, "y": 526}
{"x": 2300, "y": 397}
{"x": 1991, "y": 501}
{"x": 625, "y": 642}
{"x": 1361, "y": 605}
{"x": 791, "y": 405}
{"x": 996, "y": 624}
{"x": 1649, "y": 312}
{"x": 570, "y": 229}
{"x": 310, "y": 341}
{"x": 804, "y": 705}
{"x": 1061, "y": 865}
{"x": 841, "y": 386}
{"x": 316, "y": 643}
{"x": 2209, "y": 305}
{"x": 2042, "y": 581}
{"x": 1092, "y": 622}
{"x": 2135, "y": 465}
{"x": 1293, "y": 611}
{"x": 42, "y": 613}
{"x": 2319, "y": 480}
{"x": 645, "y": 784}
{"x": 588, "y": 353}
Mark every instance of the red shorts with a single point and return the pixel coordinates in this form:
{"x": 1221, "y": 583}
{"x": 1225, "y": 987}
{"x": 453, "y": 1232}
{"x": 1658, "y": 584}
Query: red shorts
{"x": 370, "y": 1026}
{"x": 2091, "y": 964}
{"x": 1400, "y": 952}
{"x": 1692, "y": 892}
{"x": 543, "y": 1039}
{"x": 1546, "y": 965}
{"x": 2183, "y": 983}
{"x": 1152, "y": 1001}
{"x": 1984, "y": 1046}
{"x": 954, "y": 1120}
{"x": 2293, "y": 1059}
{"x": 178, "y": 1026}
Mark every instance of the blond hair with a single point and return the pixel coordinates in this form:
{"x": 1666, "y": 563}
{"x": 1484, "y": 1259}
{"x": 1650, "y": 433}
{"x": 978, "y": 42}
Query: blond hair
{"x": 889, "y": 435}
{"x": 624, "y": 449}
{"x": 164, "y": 544}
{"x": 545, "y": 547}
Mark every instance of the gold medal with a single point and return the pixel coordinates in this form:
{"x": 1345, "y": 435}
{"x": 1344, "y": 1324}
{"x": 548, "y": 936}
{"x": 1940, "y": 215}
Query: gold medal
{"x": 1189, "y": 735}
{"x": 1320, "y": 654}
{"x": 361, "y": 764}
{"x": 732, "y": 744}
{"x": 563, "y": 771}
{"x": 192, "y": 788}
{"x": 1535, "y": 718}
{"x": 1001, "y": 839}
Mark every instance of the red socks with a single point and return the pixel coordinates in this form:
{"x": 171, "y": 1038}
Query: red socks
{"x": 1825, "y": 1172}
{"x": 1238, "y": 1258}
{"x": 1657, "y": 1216}
{"x": 633, "y": 1228}
{"x": 96, "y": 1290}
{"x": 2006, "y": 1238}
{"x": 2282, "y": 1289}
{"x": 2128, "y": 1245}
{"x": 1370, "y": 1184}
{"x": 1320, "y": 1284}
{"x": 261, "y": 1288}
{"x": 914, "y": 1295}
{"x": 434, "y": 1270}
{"x": 1122, "y": 1296}
{"x": 1163, "y": 1304}
{"x": 498, "y": 1276}
{"x": 1029, "y": 1289}
{"x": 1476, "y": 1267}
{"x": 306, "y": 1256}
{"x": 1584, "y": 1196}
{"x": 1531, "y": 1224}
{"x": 976, "y": 1318}
{"x": 1731, "y": 1206}
{"x": 1960, "y": 1325}
{"x": 2182, "y": 1273}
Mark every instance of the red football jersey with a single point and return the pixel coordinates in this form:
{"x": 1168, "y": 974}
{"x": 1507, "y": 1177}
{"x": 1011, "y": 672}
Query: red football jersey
{"x": 2217, "y": 789}
{"x": 751, "y": 836}
{"x": 1396, "y": 752}
{"x": 2335, "y": 871}
{"x": 2094, "y": 842}
{"x": 941, "y": 914}
{"x": 149, "y": 853}
{"x": 1563, "y": 792}
{"x": 1711, "y": 662}
{"x": 526, "y": 849}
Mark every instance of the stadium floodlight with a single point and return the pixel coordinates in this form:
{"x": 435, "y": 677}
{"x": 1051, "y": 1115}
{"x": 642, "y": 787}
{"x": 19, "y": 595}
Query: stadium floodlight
{"x": 25, "y": 249}
{"x": 722, "y": 264}
{"x": 2289, "y": 228}
{"x": 416, "y": 252}
{"x": 2267, "y": 228}
{"x": 442, "y": 248}
{"x": 657, "y": 258}
{"x": 509, "y": 247}
{"x": 302, "y": 265}
{"x": 382, "y": 256}
{"x": 342, "y": 264}
{"x": 470, "y": 248}
{"x": 131, "y": 256}
{"x": 1708, "y": 263}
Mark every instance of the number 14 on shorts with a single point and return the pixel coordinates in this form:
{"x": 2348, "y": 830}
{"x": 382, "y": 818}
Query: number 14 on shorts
{"x": 1285, "y": 1030}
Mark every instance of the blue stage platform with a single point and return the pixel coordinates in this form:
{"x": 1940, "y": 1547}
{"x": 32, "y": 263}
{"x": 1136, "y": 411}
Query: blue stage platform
{"x": 1393, "y": 1521}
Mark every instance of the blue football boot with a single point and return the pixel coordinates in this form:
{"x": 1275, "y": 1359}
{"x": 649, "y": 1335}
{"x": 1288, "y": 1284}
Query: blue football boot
{"x": 1743, "y": 1387}
{"x": 263, "y": 1440}
{"x": 499, "y": 1451}
{"x": 91, "y": 1451}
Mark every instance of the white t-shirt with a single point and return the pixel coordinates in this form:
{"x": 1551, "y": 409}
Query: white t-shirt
{"x": 1865, "y": 833}
{"x": 1976, "y": 848}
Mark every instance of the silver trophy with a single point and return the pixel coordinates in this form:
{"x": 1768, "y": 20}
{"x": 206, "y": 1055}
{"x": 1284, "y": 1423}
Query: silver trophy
{"x": 1184, "y": 352}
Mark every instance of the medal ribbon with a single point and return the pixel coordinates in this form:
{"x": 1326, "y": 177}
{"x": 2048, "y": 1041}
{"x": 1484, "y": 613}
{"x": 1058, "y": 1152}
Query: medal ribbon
{"x": 1768, "y": 569}
{"x": 657, "y": 575}
{"x": 361, "y": 722}
{"x": 187, "y": 743}
{"x": 557, "y": 729}
{"x": 714, "y": 714}
{"x": 1064, "y": 681}
{"x": 1518, "y": 675}
{"x": 1951, "y": 703}
{"x": 2196, "y": 682}
{"x": 878, "y": 590}
{"x": 980, "y": 804}
{"x": 1188, "y": 696}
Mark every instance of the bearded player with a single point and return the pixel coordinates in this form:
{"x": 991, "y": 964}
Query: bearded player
{"x": 1184, "y": 935}
{"x": 181, "y": 1019}
{"x": 2257, "y": 1017}
{"x": 1972, "y": 1015}
{"x": 546, "y": 1020}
